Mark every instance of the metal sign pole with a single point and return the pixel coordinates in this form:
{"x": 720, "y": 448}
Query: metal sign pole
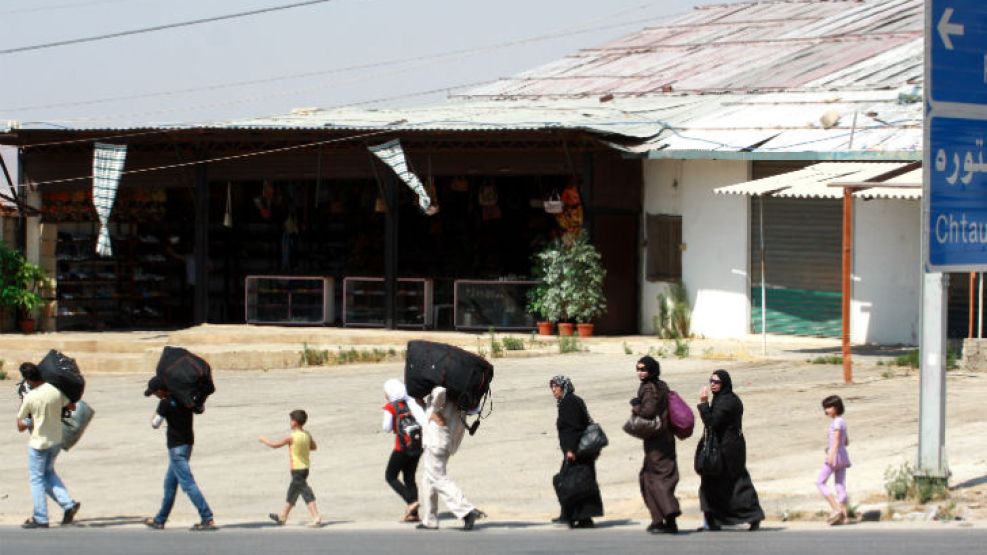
{"x": 953, "y": 195}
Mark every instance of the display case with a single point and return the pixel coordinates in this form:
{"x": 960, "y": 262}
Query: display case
{"x": 365, "y": 302}
{"x": 290, "y": 300}
{"x": 497, "y": 304}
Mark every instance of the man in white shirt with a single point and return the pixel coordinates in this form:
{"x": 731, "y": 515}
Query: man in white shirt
{"x": 41, "y": 413}
{"x": 442, "y": 436}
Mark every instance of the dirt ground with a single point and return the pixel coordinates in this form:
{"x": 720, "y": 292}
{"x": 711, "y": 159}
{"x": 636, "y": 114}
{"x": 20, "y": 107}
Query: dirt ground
{"x": 506, "y": 469}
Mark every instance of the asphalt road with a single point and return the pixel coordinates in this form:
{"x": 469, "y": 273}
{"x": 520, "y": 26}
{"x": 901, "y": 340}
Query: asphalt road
{"x": 494, "y": 538}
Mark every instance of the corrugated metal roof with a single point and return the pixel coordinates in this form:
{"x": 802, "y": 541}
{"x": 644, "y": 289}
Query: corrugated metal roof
{"x": 817, "y": 180}
{"x": 776, "y": 76}
{"x": 779, "y": 45}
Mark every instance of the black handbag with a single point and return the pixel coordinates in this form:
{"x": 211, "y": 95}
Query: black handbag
{"x": 574, "y": 483}
{"x": 708, "y": 460}
{"x": 642, "y": 428}
{"x": 591, "y": 442}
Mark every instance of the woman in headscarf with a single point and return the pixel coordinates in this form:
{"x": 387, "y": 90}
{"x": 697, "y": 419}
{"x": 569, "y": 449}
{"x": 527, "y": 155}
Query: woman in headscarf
{"x": 660, "y": 473}
{"x": 404, "y": 460}
{"x": 728, "y": 497}
{"x": 572, "y": 421}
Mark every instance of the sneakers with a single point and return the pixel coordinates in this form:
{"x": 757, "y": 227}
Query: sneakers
{"x": 276, "y": 518}
{"x": 31, "y": 524}
{"x": 424, "y": 527}
{"x": 69, "y": 515}
{"x": 584, "y": 523}
{"x": 153, "y": 524}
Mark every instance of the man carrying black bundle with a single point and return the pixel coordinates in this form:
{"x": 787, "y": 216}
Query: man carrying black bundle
{"x": 41, "y": 413}
{"x": 180, "y": 440}
{"x": 442, "y": 436}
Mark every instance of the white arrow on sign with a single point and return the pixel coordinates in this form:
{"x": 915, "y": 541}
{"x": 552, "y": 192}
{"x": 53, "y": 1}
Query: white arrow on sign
{"x": 946, "y": 29}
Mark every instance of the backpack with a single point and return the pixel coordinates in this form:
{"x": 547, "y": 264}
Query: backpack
{"x": 408, "y": 430}
{"x": 680, "y": 416}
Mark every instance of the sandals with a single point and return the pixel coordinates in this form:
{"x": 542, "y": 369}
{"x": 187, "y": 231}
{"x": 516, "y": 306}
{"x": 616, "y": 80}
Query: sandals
{"x": 204, "y": 526}
{"x": 153, "y": 524}
{"x": 276, "y": 518}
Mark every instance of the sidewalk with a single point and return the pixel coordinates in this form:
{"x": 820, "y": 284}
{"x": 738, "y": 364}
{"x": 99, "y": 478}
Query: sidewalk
{"x": 506, "y": 469}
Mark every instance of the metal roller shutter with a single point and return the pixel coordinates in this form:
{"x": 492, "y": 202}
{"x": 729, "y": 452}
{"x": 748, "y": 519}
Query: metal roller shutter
{"x": 802, "y": 240}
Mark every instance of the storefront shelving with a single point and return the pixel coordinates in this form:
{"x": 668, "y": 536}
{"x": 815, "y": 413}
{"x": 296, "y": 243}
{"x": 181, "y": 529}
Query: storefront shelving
{"x": 498, "y": 304}
{"x": 289, "y": 300}
{"x": 364, "y": 302}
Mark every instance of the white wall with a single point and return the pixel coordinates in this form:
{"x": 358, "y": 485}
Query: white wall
{"x": 715, "y": 233}
{"x": 886, "y": 273}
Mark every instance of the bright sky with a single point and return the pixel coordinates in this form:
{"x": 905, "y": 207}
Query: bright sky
{"x": 97, "y": 82}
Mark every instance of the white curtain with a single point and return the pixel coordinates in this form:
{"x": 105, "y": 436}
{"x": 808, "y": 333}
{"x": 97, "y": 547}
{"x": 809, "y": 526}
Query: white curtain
{"x": 108, "y": 163}
{"x": 393, "y": 155}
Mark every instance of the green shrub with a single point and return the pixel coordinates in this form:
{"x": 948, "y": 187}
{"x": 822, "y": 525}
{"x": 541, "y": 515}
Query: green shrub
{"x": 569, "y": 344}
{"x": 627, "y": 349}
{"x": 828, "y": 359}
{"x": 898, "y": 482}
{"x": 674, "y": 318}
{"x": 911, "y": 359}
{"x": 313, "y": 357}
{"x": 3, "y": 373}
{"x": 929, "y": 489}
{"x": 513, "y": 343}
{"x": 681, "y": 348}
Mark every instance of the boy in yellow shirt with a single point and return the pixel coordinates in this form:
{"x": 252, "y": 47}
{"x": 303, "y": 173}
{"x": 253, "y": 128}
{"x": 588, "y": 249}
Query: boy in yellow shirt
{"x": 299, "y": 444}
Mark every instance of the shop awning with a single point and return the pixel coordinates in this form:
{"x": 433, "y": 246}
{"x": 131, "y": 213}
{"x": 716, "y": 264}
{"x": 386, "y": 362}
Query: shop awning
{"x": 826, "y": 180}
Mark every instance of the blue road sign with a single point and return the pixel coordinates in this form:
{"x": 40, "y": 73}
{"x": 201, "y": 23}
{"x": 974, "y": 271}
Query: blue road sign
{"x": 959, "y": 51}
{"x": 956, "y": 129}
{"x": 958, "y": 192}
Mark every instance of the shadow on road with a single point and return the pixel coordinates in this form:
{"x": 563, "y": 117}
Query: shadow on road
{"x": 270, "y": 524}
{"x": 106, "y": 522}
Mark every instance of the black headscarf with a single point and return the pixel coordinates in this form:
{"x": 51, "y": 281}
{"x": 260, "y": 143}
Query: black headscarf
{"x": 727, "y": 385}
{"x": 651, "y": 366}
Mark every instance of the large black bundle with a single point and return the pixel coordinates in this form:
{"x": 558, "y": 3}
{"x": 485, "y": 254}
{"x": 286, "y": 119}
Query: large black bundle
{"x": 465, "y": 376}
{"x": 187, "y": 377}
{"x": 63, "y": 373}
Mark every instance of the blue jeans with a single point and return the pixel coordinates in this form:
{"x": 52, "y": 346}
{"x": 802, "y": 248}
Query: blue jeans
{"x": 44, "y": 481}
{"x": 180, "y": 474}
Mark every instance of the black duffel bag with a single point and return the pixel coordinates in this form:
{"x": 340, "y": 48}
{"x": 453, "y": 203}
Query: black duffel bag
{"x": 466, "y": 376}
{"x": 187, "y": 376}
{"x": 63, "y": 373}
{"x": 574, "y": 483}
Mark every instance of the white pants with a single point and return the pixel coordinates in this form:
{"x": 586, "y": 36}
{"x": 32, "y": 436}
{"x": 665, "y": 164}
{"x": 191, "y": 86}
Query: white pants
{"x": 435, "y": 483}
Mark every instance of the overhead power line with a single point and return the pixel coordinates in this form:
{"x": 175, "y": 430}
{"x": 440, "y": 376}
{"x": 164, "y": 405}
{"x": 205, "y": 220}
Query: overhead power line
{"x": 160, "y": 27}
{"x": 563, "y": 33}
{"x": 35, "y": 9}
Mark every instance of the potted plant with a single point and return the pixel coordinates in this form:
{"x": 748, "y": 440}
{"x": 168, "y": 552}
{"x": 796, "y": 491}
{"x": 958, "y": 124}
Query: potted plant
{"x": 545, "y": 300}
{"x": 536, "y": 306}
{"x": 583, "y": 284}
{"x": 21, "y": 284}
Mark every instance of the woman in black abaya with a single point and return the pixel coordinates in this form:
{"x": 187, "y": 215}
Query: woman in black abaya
{"x": 728, "y": 497}
{"x": 572, "y": 421}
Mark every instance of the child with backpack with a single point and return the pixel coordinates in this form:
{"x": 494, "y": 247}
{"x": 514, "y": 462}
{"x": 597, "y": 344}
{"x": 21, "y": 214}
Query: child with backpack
{"x": 299, "y": 443}
{"x": 404, "y": 417}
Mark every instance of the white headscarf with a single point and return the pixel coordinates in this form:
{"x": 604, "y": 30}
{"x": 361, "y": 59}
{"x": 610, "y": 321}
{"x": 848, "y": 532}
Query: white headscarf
{"x": 395, "y": 390}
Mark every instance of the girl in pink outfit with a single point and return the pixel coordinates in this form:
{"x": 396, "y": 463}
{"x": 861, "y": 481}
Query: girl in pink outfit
{"x": 836, "y": 462}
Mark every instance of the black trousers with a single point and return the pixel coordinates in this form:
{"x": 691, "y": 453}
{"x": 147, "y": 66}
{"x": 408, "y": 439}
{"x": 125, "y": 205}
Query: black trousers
{"x": 399, "y": 463}
{"x": 299, "y": 486}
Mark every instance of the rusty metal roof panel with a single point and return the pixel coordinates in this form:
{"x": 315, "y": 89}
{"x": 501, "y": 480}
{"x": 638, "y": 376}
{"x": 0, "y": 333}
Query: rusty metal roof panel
{"x": 751, "y": 46}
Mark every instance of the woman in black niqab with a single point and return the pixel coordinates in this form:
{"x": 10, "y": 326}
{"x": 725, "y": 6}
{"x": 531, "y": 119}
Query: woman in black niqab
{"x": 729, "y": 497}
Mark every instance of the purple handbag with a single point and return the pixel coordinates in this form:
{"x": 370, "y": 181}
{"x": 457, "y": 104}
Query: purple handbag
{"x": 680, "y": 416}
